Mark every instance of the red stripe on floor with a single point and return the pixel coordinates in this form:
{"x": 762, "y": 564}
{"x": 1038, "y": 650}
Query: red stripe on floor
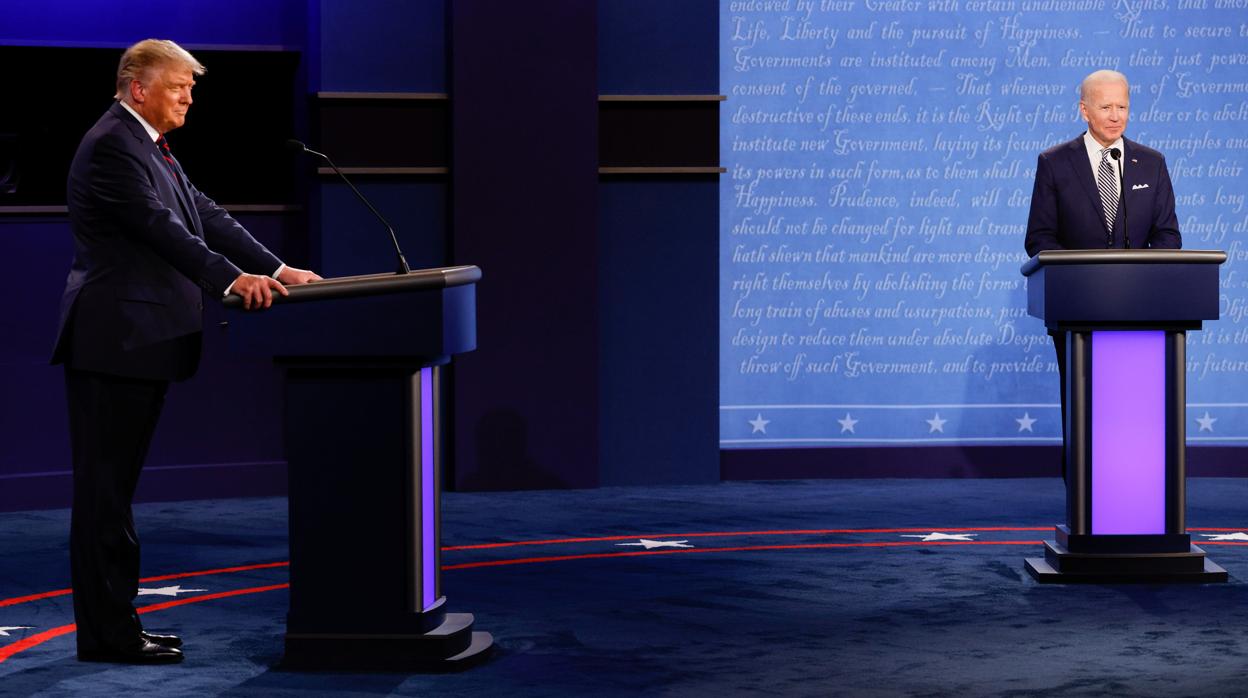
{"x": 39, "y": 638}
{"x": 180, "y": 575}
{"x": 794, "y": 532}
{"x": 796, "y": 546}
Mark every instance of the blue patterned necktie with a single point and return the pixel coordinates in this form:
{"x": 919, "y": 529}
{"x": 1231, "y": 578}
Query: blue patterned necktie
{"x": 1107, "y": 183}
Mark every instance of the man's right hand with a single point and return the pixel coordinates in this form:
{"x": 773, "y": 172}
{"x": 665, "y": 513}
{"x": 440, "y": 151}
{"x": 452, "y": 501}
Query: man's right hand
{"x": 257, "y": 291}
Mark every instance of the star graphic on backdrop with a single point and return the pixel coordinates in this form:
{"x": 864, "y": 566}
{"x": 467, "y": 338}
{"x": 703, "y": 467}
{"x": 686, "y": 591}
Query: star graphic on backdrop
{"x": 652, "y": 544}
{"x": 759, "y": 424}
{"x": 1238, "y": 535}
{"x": 847, "y": 424}
{"x": 167, "y": 591}
{"x": 936, "y": 424}
{"x": 4, "y": 629}
{"x": 1025, "y": 422}
{"x": 1206, "y": 422}
{"x": 936, "y": 535}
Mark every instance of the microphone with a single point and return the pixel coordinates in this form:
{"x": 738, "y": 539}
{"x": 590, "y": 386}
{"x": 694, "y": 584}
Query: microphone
{"x": 298, "y": 146}
{"x": 1122, "y": 197}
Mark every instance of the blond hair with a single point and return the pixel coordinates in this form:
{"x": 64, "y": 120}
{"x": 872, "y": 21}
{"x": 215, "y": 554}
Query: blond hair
{"x": 148, "y": 54}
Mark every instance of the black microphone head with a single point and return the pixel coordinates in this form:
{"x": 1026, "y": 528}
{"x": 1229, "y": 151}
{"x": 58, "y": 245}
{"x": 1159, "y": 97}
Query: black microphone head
{"x": 1113, "y": 153}
{"x": 295, "y": 146}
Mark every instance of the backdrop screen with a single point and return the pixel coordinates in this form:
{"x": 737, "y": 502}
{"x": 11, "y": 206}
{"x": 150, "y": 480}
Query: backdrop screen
{"x": 880, "y": 158}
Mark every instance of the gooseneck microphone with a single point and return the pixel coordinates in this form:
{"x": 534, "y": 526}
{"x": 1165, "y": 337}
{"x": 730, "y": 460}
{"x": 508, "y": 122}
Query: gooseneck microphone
{"x": 1122, "y": 197}
{"x": 298, "y": 146}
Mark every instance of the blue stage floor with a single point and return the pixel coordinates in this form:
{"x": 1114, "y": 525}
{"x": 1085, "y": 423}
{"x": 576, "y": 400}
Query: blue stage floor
{"x": 856, "y": 588}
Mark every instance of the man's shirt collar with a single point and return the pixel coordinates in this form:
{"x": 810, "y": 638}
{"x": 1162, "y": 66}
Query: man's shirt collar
{"x": 143, "y": 122}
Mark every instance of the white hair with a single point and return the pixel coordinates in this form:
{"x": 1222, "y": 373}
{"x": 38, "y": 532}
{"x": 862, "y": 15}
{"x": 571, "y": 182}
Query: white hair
{"x": 1101, "y": 76}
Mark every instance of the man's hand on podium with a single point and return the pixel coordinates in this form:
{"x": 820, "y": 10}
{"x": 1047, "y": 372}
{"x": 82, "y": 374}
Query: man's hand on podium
{"x": 293, "y": 277}
{"x": 257, "y": 291}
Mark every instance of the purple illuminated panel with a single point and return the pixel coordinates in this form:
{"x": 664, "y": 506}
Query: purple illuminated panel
{"x": 1128, "y": 432}
{"x": 428, "y": 504}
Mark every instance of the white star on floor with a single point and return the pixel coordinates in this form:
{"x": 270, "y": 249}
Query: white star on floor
{"x": 652, "y": 544}
{"x": 1206, "y": 422}
{"x": 167, "y": 591}
{"x": 1025, "y": 422}
{"x": 759, "y": 424}
{"x": 847, "y": 424}
{"x": 936, "y": 424}
{"x": 1238, "y": 535}
{"x": 936, "y": 535}
{"x": 4, "y": 629}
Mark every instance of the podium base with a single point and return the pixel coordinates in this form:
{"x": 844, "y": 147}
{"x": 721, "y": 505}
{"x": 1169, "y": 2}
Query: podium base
{"x": 1060, "y": 566}
{"x": 452, "y": 646}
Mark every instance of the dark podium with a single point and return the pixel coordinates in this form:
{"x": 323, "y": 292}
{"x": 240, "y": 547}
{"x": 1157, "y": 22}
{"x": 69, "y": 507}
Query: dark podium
{"x": 1124, "y": 315}
{"x": 363, "y": 435}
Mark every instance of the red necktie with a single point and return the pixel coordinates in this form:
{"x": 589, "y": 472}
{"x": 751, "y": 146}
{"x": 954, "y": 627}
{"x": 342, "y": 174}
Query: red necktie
{"x": 168, "y": 155}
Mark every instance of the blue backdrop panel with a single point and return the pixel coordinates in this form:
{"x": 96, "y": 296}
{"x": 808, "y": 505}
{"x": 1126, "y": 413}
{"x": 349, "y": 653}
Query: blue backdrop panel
{"x": 524, "y": 191}
{"x": 881, "y": 157}
{"x": 657, "y": 307}
{"x": 382, "y": 46}
{"x": 657, "y": 47}
{"x": 123, "y": 22}
{"x": 354, "y": 242}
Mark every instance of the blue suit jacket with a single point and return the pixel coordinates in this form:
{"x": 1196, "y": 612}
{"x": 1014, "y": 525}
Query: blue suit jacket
{"x": 146, "y": 246}
{"x": 1066, "y": 211}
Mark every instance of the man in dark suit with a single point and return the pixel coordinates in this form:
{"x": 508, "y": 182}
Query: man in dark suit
{"x": 1076, "y": 204}
{"x": 148, "y": 246}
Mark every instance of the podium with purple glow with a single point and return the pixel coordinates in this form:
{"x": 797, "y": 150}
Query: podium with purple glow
{"x": 1124, "y": 315}
{"x": 361, "y": 359}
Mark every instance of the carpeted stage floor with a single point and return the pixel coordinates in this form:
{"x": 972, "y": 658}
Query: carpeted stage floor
{"x": 805, "y": 588}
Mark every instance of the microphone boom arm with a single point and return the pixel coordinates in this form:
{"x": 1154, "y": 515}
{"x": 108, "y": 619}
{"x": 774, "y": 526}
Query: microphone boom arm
{"x": 403, "y": 268}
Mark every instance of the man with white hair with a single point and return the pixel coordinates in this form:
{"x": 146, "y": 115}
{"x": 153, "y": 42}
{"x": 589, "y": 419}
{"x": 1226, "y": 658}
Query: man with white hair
{"x": 1077, "y": 201}
{"x": 148, "y": 245}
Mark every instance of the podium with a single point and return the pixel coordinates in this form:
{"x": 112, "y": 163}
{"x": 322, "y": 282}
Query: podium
{"x": 1124, "y": 315}
{"x": 363, "y": 432}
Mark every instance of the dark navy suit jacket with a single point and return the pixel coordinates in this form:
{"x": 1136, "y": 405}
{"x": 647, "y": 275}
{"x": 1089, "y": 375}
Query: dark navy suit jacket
{"x": 147, "y": 244}
{"x": 1066, "y": 211}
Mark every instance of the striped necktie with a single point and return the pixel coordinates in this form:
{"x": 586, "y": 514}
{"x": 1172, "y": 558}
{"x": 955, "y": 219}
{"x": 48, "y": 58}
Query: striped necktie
{"x": 163, "y": 145}
{"x": 1107, "y": 183}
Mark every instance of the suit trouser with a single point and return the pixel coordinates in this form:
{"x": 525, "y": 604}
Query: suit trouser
{"x": 111, "y": 422}
{"x": 1059, "y": 345}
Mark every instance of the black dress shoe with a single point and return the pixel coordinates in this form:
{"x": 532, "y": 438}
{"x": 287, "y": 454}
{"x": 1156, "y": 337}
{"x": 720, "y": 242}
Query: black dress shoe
{"x": 163, "y": 640}
{"x": 143, "y": 653}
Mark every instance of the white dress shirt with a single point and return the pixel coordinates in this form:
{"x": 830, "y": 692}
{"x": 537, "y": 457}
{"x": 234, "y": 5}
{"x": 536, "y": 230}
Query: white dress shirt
{"x": 1094, "y": 156}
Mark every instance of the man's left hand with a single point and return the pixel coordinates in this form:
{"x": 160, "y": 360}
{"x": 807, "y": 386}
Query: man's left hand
{"x": 291, "y": 276}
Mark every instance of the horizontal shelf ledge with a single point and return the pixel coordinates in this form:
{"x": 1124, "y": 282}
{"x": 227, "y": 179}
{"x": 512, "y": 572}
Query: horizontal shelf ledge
{"x": 662, "y": 98}
{"x": 390, "y": 96}
{"x": 662, "y": 170}
{"x": 30, "y": 210}
{"x": 232, "y": 208}
{"x": 385, "y": 170}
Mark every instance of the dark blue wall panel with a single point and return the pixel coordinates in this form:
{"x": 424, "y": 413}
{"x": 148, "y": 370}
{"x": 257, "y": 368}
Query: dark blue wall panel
{"x": 524, "y": 196}
{"x": 382, "y": 46}
{"x": 658, "y": 306}
{"x": 658, "y": 46}
{"x": 354, "y": 242}
{"x": 123, "y": 22}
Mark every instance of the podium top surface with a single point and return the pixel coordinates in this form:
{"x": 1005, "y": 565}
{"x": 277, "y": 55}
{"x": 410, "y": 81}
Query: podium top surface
{"x": 1049, "y": 258}
{"x": 372, "y": 285}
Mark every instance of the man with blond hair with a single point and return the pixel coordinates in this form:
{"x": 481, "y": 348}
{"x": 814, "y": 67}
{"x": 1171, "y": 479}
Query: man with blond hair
{"x": 148, "y": 247}
{"x": 1078, "y": 199}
